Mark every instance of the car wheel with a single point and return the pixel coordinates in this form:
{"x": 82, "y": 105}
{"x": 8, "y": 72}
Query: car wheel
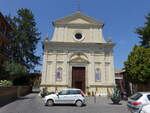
{"x": 79, "y": 103}
{"x": 50, "y": 102}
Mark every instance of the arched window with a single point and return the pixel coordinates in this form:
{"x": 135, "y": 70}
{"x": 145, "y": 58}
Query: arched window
{"x": 59, "y": 74}
{"x": 97, "y": 75}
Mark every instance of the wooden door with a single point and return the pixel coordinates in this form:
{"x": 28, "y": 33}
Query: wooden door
{"x": 78, "y": 78}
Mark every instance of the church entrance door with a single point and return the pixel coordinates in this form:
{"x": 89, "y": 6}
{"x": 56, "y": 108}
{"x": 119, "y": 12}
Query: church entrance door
{"x": 78, "y": 78}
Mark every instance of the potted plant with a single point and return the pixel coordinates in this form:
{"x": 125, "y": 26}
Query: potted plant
{"x": 88, "y": 93}
{"x": 115, "y": 97}
{"x": 44, "y": 92}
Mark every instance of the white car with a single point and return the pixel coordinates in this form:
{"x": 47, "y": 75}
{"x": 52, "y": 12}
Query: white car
{"x": 66, "y": 96}
{"x": 137, "y": 101}
{"x": 146, "y": 109}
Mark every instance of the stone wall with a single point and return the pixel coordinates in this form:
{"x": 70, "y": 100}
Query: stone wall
{"x": 143, "y": 87}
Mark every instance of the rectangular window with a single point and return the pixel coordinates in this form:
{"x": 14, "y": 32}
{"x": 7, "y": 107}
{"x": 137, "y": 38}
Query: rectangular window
{"x": 63, "y": 92}
{"x": 74, "y": 92}
{"x": 148, "y": 96}
{"x": 59, "y": 74}
{"x": 136, "y": 96}
{"x": 97, "y": 75}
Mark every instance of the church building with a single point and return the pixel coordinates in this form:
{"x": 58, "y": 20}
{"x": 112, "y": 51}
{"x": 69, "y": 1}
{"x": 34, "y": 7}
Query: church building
{"x": 77, "y": 56}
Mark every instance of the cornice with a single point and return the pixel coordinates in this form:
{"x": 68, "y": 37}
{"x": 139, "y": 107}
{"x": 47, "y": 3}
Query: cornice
{"x": 82, "y": 47}
{"x": 78, "y": 25}
{"x": 77, "y": 45}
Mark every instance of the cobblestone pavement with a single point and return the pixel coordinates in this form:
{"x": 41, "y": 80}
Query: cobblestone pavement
{"x": 32, "y": 103}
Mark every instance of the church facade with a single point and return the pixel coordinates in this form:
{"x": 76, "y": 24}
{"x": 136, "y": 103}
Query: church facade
{"x": 77, "y": 56}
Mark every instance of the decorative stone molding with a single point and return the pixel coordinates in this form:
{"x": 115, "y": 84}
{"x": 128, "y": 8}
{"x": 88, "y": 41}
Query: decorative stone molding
{"x": 49, "y": 85}
{"x": 103, "y": 86}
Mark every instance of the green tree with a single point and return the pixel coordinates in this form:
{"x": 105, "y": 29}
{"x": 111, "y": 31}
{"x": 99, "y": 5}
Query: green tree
{"x": 137, "y": 65}
{"x": 144, "y": 32}
{"x": 15, "y": 70}
{"x": 24, "y": 39}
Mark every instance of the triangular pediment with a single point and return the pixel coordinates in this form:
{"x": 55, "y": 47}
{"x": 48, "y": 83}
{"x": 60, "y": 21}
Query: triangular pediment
{"x": 79, "y": 21}
{"x": 77, "y": 18}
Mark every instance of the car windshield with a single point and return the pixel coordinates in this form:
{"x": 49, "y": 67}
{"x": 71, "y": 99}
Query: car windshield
{"x": 136, "y": 96}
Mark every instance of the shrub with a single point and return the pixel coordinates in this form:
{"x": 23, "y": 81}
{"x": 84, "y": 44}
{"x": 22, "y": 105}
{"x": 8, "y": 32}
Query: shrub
{"x": 5, "y": 83}
{"x": 89, "y": 93}
{"x": 115, "y": 97}
{"x": 44, "y": 92}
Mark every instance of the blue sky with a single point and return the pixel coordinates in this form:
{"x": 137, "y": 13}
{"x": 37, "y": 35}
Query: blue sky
{"x": 121, "y": 18}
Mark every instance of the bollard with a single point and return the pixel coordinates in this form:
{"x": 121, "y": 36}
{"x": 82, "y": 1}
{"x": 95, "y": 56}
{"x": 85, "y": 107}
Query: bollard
{"x": 18, "y": 91}
{"x": 94, "y": 98}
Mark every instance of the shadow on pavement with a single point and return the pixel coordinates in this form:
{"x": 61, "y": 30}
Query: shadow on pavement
{"x": 23, "y": 98}
{"x": 66, "y": 105}
{"x": 11, "y": 98}
{"x": 5, "y": 101}
{"x": 115, "y": 104}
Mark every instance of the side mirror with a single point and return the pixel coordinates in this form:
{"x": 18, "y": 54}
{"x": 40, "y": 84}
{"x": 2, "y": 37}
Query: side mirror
{"x": 57, "y": 94}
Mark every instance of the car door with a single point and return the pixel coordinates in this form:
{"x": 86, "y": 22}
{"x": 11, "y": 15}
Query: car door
{"x": 62, "y": 97}
{"x": 71, "y": 96}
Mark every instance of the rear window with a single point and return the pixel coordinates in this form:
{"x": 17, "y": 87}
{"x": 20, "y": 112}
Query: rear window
{"x": 74, "y": 91}
{"x": 148, "y": 96}
{"x": 136, "y": 96}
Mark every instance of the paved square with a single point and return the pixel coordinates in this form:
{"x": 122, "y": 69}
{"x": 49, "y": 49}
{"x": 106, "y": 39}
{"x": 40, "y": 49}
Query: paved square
{"x": 32, "y": 103}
